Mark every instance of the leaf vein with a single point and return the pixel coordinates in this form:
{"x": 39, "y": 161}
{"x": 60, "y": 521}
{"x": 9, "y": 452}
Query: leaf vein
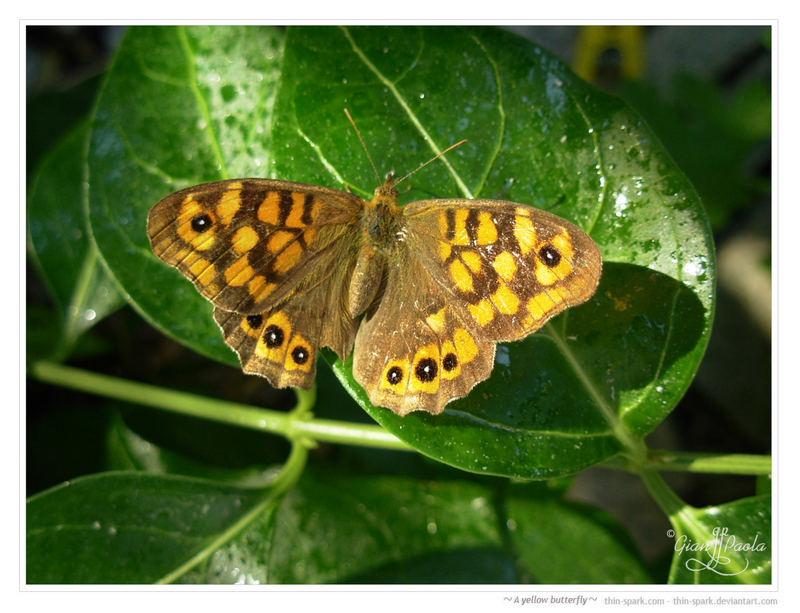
{"x": 501, "y": 111}
{"x": 194, "y": 86}
{"x": 526, "y": 431}
{"x": 600, "y": 164}
{"x": 409, "y": 113}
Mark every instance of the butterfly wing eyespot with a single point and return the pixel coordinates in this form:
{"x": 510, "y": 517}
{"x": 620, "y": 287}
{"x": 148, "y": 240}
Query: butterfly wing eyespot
{"x": 549, "y": 256}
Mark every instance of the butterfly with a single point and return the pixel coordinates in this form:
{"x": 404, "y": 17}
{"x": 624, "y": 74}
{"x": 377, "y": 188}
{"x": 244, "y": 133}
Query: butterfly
{"x": 419, "y": 293}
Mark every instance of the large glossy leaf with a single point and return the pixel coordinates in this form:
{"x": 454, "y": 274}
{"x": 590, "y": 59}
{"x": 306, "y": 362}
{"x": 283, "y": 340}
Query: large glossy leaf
{"x": 141, "y": 528}
{"x": 182, "y": 106}
{"x": 560, "y": 390}
{"x": 334, "y": 528}
{"x": 59, "y": 240}
{"x": 562, "y": 542}
{"x": 127, "y": 527}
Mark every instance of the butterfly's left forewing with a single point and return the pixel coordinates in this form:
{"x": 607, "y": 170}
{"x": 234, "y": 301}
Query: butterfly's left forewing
{"x": 247, "y": 243}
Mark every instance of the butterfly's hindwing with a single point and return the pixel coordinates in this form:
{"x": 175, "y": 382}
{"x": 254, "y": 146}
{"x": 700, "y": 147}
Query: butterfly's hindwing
{"x": 281, "y": 343}
{"x": 417, "y": 352}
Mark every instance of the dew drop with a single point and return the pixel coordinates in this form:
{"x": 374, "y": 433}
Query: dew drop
{"x": 695, "y": 267}
{"x": 478, "y": 503}
{"x": 620, "y": 204}
{"x": 503, "y": 356}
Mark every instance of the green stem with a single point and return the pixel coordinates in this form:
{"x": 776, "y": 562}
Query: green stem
{"x": 298, "y": 425}
{"x": 726, "y": 463}
{"x": 663, "y": 494}
{"x": 686, "y": 520}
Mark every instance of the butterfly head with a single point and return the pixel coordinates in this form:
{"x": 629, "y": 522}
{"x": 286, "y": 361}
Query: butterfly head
{"x": 385, "y": 196}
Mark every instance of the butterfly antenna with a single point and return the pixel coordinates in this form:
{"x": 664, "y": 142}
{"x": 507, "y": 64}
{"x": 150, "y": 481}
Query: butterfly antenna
{"x": 433, "y": 159}
{"x": 369, "y": 157}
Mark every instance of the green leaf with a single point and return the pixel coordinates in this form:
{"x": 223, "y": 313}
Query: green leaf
{"x": 563, "y": 542}
{"x": 724, "y": 544}
{"x": 186, "y": 105}
{"x": 44, "y": 128}
{"x": 129, "y": 527}
{"x": 60, "y": 242}
{"x": 581, "y": 398}
{"x": 334, "y": 529}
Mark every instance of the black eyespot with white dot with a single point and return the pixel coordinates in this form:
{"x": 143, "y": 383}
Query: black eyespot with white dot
{"x": 254, "y": 321}
{"x": 394, "y": 375}
{"x": 201, "y": 223}
{"x": 549, "y": 256}
{"x": 450, "y": 361}
{"x": 426, "y": 370}
{"x": 300, "y": 354}
{"x": 273, "y": 336}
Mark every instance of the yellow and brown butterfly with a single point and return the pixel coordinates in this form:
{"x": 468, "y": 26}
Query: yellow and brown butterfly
{"x": 420, "y": 293}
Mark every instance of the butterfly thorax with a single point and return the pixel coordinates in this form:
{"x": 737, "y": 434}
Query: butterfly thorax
{"x": 379, "y": 220}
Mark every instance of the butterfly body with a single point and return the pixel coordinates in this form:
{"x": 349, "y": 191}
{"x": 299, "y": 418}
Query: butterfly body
{"x": 380, "y": 221}
{"x": 420, "y": 293}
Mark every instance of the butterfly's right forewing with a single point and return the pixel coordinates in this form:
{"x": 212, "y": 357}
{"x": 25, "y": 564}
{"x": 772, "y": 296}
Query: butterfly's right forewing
{"x": 507, "y": 267}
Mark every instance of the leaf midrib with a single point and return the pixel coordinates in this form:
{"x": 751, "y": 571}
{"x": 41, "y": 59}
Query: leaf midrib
{"x": 194, "y": 86}
{"x": 412, "y": 117}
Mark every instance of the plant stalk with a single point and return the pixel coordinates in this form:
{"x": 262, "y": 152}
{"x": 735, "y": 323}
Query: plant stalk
{"x": 296, "y": 426}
